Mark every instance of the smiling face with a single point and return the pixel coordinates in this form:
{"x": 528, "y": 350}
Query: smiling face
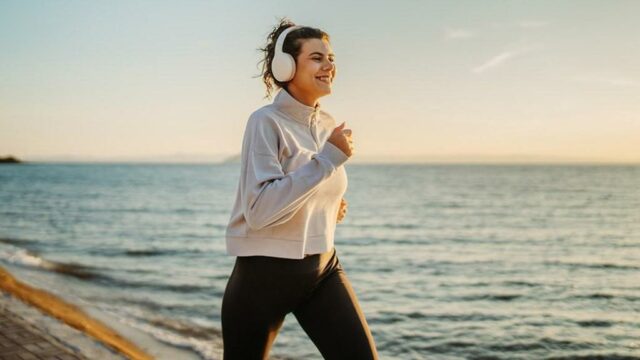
{"x": 315, "y": 71}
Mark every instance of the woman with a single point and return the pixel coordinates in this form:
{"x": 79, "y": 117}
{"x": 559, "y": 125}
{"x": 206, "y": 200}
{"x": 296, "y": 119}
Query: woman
{"x": 288, "y": 201}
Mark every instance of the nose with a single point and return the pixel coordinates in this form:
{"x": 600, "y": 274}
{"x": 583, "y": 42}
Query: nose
{"x": 329, "y": 65}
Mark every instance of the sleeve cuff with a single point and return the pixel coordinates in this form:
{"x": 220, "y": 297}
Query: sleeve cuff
{"x": 333, "y": 154}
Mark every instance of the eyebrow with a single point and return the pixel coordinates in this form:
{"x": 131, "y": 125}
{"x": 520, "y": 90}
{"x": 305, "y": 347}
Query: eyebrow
{"x": 319, "y": 53}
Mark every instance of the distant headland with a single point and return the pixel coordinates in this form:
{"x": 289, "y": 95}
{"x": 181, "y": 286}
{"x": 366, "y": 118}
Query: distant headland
{"x": 9, "y": 160}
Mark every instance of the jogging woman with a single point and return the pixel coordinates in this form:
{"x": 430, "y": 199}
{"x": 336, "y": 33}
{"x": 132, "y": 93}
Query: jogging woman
{"x": 289, "y": 199}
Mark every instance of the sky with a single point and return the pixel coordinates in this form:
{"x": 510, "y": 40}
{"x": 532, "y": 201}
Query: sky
{"x": 438, "y": 80}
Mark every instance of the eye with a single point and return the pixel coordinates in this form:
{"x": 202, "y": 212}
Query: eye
{"x": 320, "y": 59}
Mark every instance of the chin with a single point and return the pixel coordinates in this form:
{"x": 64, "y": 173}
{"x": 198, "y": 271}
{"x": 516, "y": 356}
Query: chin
{"x": 325, "y": 92}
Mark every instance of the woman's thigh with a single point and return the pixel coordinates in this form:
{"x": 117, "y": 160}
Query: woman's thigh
{"x": 334, "y": 321}
{"x": 253, "y": 310}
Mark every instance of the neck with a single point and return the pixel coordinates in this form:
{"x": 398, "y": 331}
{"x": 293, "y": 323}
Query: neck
{"x": 305, "y": 98}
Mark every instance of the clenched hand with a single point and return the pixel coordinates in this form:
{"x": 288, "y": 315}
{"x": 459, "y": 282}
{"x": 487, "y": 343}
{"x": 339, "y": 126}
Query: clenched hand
{"x": 342, "y": 211}
{"x": 343, "y": 139}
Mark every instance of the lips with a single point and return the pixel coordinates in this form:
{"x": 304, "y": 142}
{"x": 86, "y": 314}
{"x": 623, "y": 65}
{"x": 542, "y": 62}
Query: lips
{"x": 325, "y": 79}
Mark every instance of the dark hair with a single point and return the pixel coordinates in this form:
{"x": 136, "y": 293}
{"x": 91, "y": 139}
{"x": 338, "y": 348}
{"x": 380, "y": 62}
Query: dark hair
{"x": 291, "y": 46}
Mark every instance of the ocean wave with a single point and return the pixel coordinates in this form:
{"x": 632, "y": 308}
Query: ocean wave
{"x": 447, "y": 317}
{"x": 594, "y": 323}
{"x": 607, "y": 296}
{"x": 143, "y": 252}
{"x": 520, "y": 283}
{"x": 185, "y": 328}
{"x": 596, "y": 296}
{"x": 204, "y": 340}
{"x": 178, "y": 288}
{"x": 385, "y": 226}
{"x": 29, "y": 258}
{"x": 596, "y": 356}
{"x": 490, "y": 297}
{"x": 154, "y": 306}
{"x": 207, "y": 345}
{"x": 544, "y": 343}
{"x": 594, "y": 265}
{"x": 449, "y": 346}
{"x": 19, "y": 242}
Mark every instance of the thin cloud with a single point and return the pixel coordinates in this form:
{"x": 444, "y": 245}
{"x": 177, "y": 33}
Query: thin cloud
{"x": 500, "y": 59}
{"x": 494, "y": 61}
{"x": 457, "y": 34}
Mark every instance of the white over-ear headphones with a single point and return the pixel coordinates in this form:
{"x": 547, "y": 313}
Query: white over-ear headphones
{"x": 283, "y": 66}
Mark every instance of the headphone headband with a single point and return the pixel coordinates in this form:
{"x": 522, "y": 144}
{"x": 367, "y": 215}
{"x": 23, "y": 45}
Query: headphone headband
{"x": 283, "y": 35}
{"x": 283, "y": 66}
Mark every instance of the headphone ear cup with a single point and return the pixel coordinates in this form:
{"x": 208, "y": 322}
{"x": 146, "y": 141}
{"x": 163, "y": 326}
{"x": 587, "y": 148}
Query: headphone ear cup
{"x": 283, "y": 67}
{"x": 291, "y": 68}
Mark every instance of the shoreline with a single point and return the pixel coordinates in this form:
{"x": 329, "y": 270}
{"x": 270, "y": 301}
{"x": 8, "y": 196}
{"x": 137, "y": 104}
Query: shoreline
{"x": 86, "y": 331}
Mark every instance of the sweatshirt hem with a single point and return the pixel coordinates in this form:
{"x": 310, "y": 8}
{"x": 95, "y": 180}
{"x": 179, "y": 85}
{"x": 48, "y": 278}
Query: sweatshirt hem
{"x": 284, "y": 248}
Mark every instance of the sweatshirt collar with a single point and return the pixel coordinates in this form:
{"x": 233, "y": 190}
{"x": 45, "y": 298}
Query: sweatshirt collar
{"x": 295, "y": 109}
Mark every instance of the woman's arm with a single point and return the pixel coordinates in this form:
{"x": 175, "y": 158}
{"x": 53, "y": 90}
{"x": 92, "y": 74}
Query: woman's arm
{"x": 269, "y": 196}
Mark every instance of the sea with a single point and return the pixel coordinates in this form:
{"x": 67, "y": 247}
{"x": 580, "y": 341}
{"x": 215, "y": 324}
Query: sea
{"x": 448, "y": 261}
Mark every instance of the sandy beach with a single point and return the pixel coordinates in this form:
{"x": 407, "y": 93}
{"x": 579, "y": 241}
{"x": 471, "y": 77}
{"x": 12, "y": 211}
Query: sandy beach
{"x": 66, "y": 327}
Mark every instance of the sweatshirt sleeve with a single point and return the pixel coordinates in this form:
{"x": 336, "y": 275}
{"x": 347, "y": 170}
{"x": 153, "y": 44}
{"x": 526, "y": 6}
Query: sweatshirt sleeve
{"x": 269, "y": 197}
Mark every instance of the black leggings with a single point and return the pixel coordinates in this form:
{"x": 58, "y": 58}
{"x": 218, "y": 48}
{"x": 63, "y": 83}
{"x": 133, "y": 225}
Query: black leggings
{"x": 262, "y": 290}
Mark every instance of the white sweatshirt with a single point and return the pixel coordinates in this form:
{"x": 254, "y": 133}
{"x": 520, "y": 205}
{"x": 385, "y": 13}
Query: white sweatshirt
{"x": 291, "y": 182}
